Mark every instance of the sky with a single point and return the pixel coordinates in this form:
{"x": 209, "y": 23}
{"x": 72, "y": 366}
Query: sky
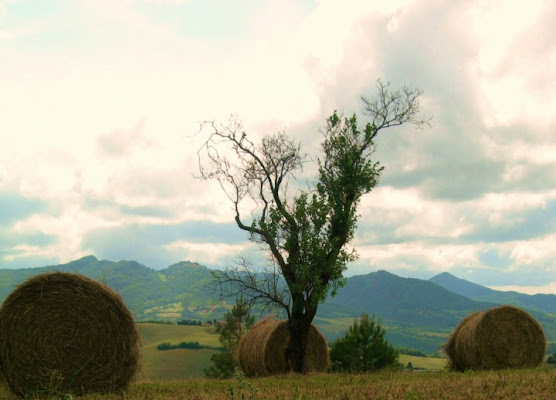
{"x": 100, "y": 105}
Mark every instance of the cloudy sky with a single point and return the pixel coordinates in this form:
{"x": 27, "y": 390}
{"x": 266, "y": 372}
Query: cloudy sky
{"x": 100, "y": 103}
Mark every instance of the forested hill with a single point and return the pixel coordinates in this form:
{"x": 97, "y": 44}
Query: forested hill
{"x": 417, "y": 313}
{"x": 179, "y": 290}
{"x": 540, "y": 302}
{"x": 413, "y": 301}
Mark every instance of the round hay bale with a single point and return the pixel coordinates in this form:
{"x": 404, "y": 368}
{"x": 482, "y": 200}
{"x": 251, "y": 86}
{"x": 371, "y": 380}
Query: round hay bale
{"x": 65, "y": 333}
{"x": 261, "y": 351}
{"x": 502, "y": 337}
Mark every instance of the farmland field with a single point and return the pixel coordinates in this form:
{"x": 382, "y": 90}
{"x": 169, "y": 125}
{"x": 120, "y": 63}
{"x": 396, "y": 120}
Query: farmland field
{"x": 423, "y": 362}
{"x": 177, "y": 375}
{"x": 179, "y": 363}
{"x": 182, "y": 363}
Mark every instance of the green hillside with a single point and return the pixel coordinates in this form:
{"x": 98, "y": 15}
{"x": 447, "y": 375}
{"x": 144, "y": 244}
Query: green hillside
{"x": 540, "y": 302}
{"x": 406, "y": 301}
{"x": 149, "y": 294}
{"x": 416, "y": 313}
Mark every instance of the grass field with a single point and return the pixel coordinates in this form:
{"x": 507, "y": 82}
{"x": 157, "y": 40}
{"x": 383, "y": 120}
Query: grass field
{"x": 177, "y": 375}
{"x": 537, "y": 384}
{"x": 423, "y": 362}
{"x": 179, "y": 363}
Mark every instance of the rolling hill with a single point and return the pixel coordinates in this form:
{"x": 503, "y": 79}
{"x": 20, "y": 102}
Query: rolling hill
{"x": 178, "y": 291}
{"x": 539, "y": 302}
{"x": 417, "y": 313}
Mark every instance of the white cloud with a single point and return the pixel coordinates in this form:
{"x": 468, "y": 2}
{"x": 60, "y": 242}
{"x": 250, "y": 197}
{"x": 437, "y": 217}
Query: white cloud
{"x": 207, "y": 253}
{"x": 539, "y": 251}
{"x": 418, "y": 256}
{"x": 514, "y": 86}
{"x": 549, "y": 288}
{"x": 105, "y": 106}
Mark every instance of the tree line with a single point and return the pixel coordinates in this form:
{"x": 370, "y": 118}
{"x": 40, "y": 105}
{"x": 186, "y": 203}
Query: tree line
{"x": 185, "y": 345}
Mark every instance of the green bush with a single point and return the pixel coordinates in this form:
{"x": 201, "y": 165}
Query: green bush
{"x": 363, "y": 348}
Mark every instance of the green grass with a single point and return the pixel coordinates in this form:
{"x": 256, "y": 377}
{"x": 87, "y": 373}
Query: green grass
{"x": 153, "y": 334}
{"x": 179, "y": 363}
{"x": 174, "y": 364}
{"x": 423, "y": 362}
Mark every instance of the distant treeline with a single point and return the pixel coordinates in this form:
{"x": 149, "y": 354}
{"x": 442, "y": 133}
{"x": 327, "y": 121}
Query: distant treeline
{"x": 411, "y": 352}
{"x": 190, "y": 322}
{"x": 186, "y": 345}
{"x": 155, "y": 321}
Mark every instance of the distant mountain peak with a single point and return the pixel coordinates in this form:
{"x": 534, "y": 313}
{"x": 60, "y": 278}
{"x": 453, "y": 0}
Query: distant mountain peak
{"x": 445, "y": 275}
{"x": 186, "y": 264}
{"x": 384, "y": 273}
{"x": 460, "y": 286}
{"x": 90, "y": 258}
{"x": 541, "y": 302}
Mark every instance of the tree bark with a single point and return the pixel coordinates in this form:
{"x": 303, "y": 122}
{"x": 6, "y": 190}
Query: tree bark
{"x": 295, "y": 352}
{"x": 299, "y": 324}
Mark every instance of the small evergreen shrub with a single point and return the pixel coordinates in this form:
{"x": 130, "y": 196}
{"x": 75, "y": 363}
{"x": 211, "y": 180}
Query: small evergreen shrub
{"x": 363, "y": 348}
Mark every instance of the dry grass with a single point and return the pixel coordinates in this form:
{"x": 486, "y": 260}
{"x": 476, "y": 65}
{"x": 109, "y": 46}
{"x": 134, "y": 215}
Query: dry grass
{"x": 261, "y": 351}
{"x": 524, "y": 384}
{"x": 502, "y": 337}
{"x": 63, "y": 332}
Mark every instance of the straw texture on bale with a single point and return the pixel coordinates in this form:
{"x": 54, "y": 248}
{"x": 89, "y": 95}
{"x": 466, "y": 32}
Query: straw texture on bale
{"x": 62, "y": 332}
{"x": 261, "y": 351}
{"x": 502, "y": 337}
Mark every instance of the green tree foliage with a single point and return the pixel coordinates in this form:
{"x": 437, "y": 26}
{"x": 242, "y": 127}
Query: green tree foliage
{"x": 237, "y": 323}
{"x": 363, "y": 347}
{"x": 306, "y": 231}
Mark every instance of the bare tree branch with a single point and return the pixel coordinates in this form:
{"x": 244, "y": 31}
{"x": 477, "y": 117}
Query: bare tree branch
{"x": 265, "y": 288}
{"x": 394, "y": 107}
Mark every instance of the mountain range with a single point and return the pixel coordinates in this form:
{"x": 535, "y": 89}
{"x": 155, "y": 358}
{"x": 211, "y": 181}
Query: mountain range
{"x": 418, "y": 314}
{"x": 540, "y": 302}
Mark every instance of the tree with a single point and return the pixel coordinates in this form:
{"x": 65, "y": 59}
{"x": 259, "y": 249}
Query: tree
{"x": 237, "y": 322}
{"x": 305, "y": 231}
{"x": 363, "y": 348}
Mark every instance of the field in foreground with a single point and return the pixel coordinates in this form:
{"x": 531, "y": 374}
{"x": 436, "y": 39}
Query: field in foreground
{"x": 518, "y": 384}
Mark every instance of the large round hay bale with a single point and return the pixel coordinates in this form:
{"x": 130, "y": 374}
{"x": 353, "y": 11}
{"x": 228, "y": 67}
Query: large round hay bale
{"x": 502, "y": 337}
{"x": 261, "y": 351}
{"x": 65, "y": 333}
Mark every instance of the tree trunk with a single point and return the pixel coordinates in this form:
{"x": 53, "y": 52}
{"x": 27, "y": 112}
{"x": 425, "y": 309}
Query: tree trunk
{"x": 295, "y": 352}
